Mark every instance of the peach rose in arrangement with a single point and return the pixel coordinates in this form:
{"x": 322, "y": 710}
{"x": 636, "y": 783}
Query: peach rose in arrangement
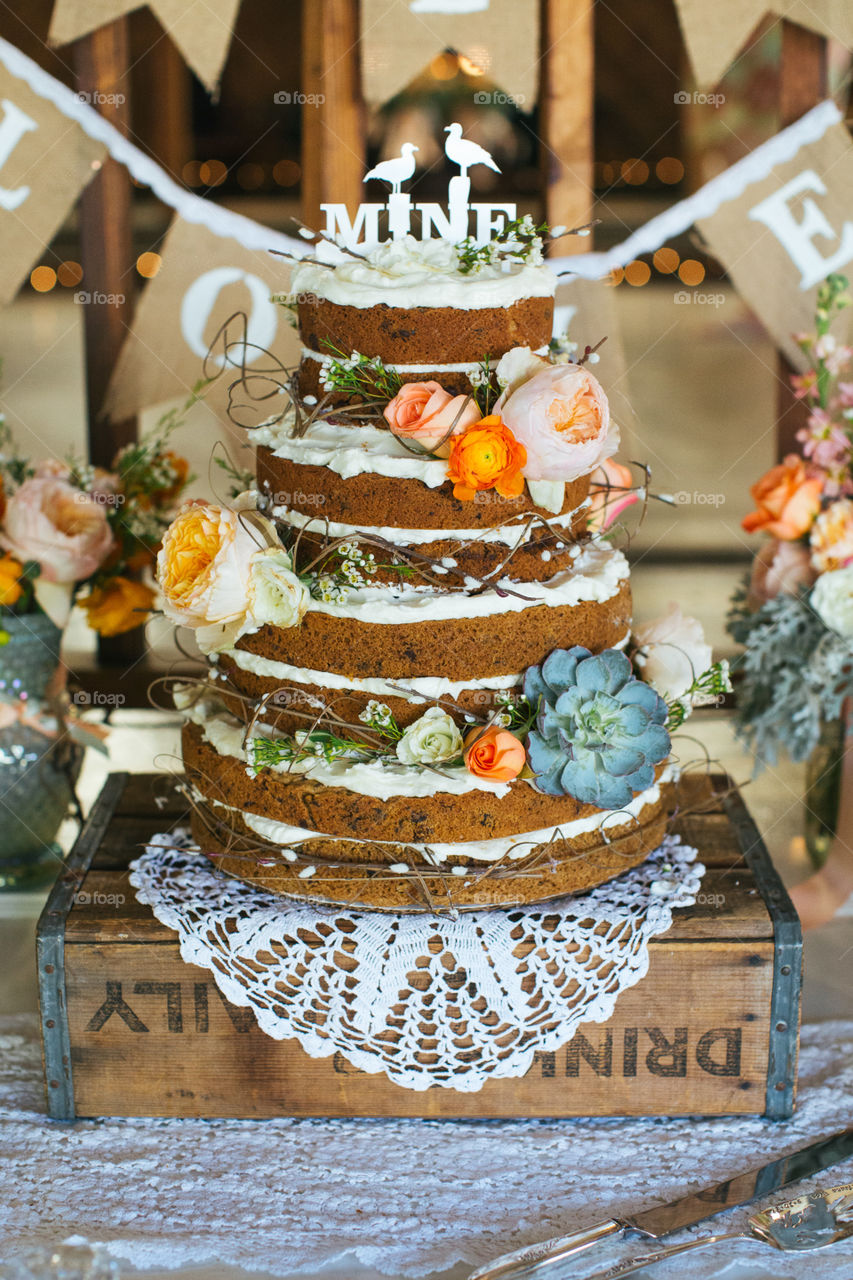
{"x": 118, "y": 606}
{"x": 562, "y": 418}
{"x": 11, "y": 572}
{"x": 494, "y": 753}
{"x": 779, "y": 569}
{"x": 671, "y": 652}
{"x": 223, "y": 575}
{"x": 609, "y": 494}
{"x": 832, "y": 537}
{"x": 62, "y": 528}
{"x": 788, "y": 500}
{"x": 486, "y": 456}
{"x": 424, "y": 412}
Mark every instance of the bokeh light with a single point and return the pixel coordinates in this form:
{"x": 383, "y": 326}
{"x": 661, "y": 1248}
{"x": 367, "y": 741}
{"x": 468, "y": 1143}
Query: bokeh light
{"x": 636, "y": 172}
{"x": 691, "y": 272}
{"x": 666, "y": 261}
{"x": 213, "y": 173}
{"x": 69, "y": 274}
{"x": 638, "y": 273}
{"x": 287, "y": 173}
{"x": 669, "y": 169}
{"x": 148, "y": 264}
{"x": 42, "y": 279}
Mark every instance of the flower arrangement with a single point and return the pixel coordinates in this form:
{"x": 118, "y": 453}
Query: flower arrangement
{"x": 72, "y": 533}
{"x": 794, "y": 615}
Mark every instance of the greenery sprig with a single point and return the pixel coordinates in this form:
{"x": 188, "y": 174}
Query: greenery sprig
{"x": 518, "y": 243}
{"x": 358, "y": 375}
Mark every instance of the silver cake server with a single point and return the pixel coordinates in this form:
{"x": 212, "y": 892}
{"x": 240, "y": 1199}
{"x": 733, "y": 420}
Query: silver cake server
{"x": 654, "y": 1224}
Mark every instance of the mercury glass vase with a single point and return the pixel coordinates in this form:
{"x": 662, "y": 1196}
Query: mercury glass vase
{"x": 823, "y": 790}
{"x": 38, "y": 769}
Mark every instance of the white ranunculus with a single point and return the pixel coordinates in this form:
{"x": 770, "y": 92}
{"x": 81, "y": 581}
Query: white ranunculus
{"x": 276, "y": 594}
{"x": 832, "y": 600}
{"x": 671, "y": 652}
{"x": 517, "y": 366}
{"x": 432, "y": 739}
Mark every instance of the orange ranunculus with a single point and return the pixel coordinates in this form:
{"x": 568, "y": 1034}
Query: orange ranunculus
{"x": 494, "y": 753}
{"x": 119, "y": 606}
{"x": 788, "y": 501}
{"x": 11, "y": 572}
{"x": 486, "y": 456}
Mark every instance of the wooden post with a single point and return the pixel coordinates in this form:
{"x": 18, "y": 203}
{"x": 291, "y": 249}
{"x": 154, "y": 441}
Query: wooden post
{"x": 565, "y": 113}
{"x": 106, "y": 244}
{"x": 333, "y": 146}
{"x": 802, "y": 85}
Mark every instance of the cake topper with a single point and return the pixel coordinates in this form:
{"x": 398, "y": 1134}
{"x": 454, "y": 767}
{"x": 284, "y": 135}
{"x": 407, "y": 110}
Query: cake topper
{"x": 362, "y": 231}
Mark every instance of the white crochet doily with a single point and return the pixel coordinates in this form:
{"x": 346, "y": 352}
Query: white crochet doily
{"x": 492, "y": 987}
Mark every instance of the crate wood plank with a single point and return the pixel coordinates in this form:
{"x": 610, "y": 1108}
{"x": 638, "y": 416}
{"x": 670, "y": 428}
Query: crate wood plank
{"x": 151, "y": 1035}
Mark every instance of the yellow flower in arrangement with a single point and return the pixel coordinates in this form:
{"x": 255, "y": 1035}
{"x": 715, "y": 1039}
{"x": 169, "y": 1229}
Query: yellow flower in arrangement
{"x": 486, "y": 456}
{"x": 119, "y": 606}
{"x": 11, "y": 572}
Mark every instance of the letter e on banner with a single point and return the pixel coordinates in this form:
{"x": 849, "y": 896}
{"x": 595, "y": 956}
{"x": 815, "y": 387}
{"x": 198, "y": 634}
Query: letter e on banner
{"x": 798, "y": 237}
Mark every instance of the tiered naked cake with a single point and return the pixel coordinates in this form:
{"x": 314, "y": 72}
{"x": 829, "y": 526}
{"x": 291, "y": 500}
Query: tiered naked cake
{"x": 394, "y": 740}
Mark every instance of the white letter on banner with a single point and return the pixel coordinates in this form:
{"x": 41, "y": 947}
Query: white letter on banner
{"x": 200, "y": 299}
{"x": 797, "y": 237}
{"x": 13, "y": 127}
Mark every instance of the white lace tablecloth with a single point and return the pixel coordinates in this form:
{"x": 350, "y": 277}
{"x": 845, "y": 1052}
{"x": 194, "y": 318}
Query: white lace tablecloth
{"x": 493, "y": 987}
{"x": 405, "y": 1197}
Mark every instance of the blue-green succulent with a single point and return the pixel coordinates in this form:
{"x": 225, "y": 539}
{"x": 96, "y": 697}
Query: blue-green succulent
{"x": 599, "y": 731}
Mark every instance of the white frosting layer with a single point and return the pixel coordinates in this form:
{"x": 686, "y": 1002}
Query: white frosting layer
{"x": 518, "y": 846}
{"x": 508, "y": 534}
{"x": 413, "y": 273}
{"x": 379, "y": 778}
{"x": 350, "y": 452}
{"x": 596, "y": 575}
{"x": 467, "y": 366}
{"x": 426, "y": 687}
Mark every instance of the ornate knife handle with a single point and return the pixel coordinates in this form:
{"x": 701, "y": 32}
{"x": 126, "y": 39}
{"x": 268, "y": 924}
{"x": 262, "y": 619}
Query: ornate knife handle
{"x": 536, "y": 1259}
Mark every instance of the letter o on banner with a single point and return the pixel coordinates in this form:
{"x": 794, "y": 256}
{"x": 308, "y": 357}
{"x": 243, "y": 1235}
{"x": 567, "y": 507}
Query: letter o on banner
{"x": 200, "y": 299}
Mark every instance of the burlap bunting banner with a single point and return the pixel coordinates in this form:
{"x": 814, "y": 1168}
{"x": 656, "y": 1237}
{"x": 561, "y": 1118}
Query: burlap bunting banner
{"x": 399, "y": 38}
{"x": 201, "y": 29}
{"x": 45, "y": 161}
{"x": 715, "y": 33}
{"x": 782, "y": 236}
{"x": 204, "y": 279}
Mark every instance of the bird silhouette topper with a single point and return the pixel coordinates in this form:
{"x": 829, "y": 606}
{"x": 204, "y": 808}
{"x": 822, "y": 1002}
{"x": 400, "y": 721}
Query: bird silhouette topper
{"x": 456, "y": 222}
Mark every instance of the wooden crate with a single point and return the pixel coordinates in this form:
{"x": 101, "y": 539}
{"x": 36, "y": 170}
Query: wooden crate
{"x": 129, "y": 1029}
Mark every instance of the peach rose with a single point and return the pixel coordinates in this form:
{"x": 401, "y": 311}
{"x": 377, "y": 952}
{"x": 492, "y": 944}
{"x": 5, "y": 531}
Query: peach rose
{"x": 224, "y": 575}
{"x": 425, "y": 412}
{"x": 486, "y": 456}
{"x": 778, "y": 570}
{"x": 562, "y": 418}
{"x": 832, "y": 537}
{"x": 610, "y": 495}
{"x": 788, "y": 500}
{"x": 671, "y": 652}
{"x": 494, "y": 753}
{"x": 62, "y": 528}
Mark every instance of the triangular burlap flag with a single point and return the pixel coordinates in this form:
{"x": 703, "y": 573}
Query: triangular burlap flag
{"x": 785, "y": 234}
{"x": 399, "y": 38}
{"x": 203, "y": 280}
{"x": 715, "y": 32}
{"x": 45, "y": 161}
{"x": 202, "y": 29}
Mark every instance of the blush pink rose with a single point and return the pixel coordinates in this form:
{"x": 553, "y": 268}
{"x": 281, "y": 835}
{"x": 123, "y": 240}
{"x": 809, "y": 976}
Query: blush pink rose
{"x": 779, "y": 569}
{"x": 62, "y": 528}
{"x": 424, "y": 412}
{"x": 672, "y": 652}
{"x": 610, "y": 493}
{"x": 832, "y": 537}
{"x": 562, "y": 418}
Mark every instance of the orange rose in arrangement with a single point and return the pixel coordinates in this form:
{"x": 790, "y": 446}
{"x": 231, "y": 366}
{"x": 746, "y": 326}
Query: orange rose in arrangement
{"x": 486, "y": 456}
{"x": 11, "y": 573}
{"x": 424, "y": 412}
{"x": 119, "y": 606}
{"x": 788, "y": 501}
{"x": 494, "y": 753}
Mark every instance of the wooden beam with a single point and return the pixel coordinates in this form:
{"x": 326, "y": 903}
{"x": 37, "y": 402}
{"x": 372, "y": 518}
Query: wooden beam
{"x": 802, "y": 84}
{"x": 566, "y": 115}
{"x": 333, "y": 134}
{"x": 106, "y": 247}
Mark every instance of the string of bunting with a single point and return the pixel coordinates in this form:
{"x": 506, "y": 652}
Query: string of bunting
{"x": 776, "y": 219}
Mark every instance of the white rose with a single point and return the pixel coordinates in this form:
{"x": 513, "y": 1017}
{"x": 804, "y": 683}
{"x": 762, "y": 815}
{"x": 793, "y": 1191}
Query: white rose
{"x": 671, "y": 652}
{"x": 430, "y": 740}
{"x": 832, "y": 600}
{"x": 275, "y": 593}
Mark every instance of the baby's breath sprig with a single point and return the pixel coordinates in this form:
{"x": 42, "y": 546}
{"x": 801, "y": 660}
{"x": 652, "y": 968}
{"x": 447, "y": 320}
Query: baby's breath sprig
{"x": 347, "y": 568}
{"x": 311, "y": 744}
{"x": 379, "y": 717}
{"x": 358, "y": 375}
{"x": 519, "y": 243}
{"x": 711, "y": 686}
